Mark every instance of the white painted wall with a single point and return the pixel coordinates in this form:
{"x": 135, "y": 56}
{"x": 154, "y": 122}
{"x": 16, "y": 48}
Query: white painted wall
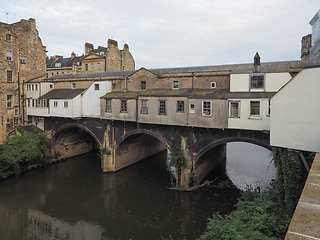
{"x": 72, "y": 111}
{"x": 46, "y": 87}
{"x": 245, "y": 121}
{"x": 32, "y": 93}
{"x": 91, "y": 98}
{"x": 295, "y": 113}
{"x": 274, "y": 81}
{"x": 239, "y": 83}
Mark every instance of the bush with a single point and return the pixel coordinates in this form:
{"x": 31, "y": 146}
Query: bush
{"x": 264, "y": 215}
{"x": 21, "y": 151}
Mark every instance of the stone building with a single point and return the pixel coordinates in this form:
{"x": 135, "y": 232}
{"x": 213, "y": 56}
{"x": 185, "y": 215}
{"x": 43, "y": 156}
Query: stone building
{"x": 101, "y": 59}
{"x": 23, "y": 60}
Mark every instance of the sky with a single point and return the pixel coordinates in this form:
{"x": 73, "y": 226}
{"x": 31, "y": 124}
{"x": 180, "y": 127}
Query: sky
{"x": 171, "y": 33}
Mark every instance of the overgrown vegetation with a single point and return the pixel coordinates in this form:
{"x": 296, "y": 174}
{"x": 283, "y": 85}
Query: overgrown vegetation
{"x": 178, "y": 161}
{"x": 264, "y": 215}
{"x": 21, "y": 151}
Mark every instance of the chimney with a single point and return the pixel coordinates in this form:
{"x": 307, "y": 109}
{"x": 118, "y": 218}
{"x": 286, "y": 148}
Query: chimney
{"x": 88, "y": 47}
{"x": 112, "y": 42}
{"x": 73, "y": 55}
{"x": 256, "y": 63}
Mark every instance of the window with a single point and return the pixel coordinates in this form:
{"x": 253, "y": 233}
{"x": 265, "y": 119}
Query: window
{"x": 96, "y": 86}
{"x": 47, "y": 75}
{"x": 9, "y": 55}
{"x": 9, "y": 76}
{"x": 143, "y": 85}
{"x": 255, "y": 108}
{"x": 8, "y": 37}
{"x": 180, "y": 106}
{"x": 257, "y": 81}
{"x": 192, "y": 108}
{"x": 9, "y": 101}
{"x": 108, "y": 105}
{"x": 113, "y": 86}
{"x": 22, "y": 59}
{"x": 234, "y": 109}
{"x": 51, "y": 85}
{"x": 123, "y": 105}
{"x": 55, "y": 104}
{"x": 73, "y": 85}
{"x": 57, "y": 64}
{"x": 98, "y": 66}
{"x": 175, "y": 84}
{"x": 16, "y": 112}
{"x": 206, "y": 108}
{"x": 144, "y": 106}
{"x": 92, "y": 66}
{"x": 66, "y": 104}
{"x": 268, "y": 107}
{"x": 213, "y": 84}
{"x": 162, "y": 107}
{"x": 86, "y": 67}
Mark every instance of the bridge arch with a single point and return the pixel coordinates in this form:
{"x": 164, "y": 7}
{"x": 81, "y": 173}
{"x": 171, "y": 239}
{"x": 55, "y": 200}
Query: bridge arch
{"x": 162, "y": 139}
{"x": 76, "y": 125}
{"x": 202, "y": 161}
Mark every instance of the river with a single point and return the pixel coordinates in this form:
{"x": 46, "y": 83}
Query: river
{"x": 74, "y": 199}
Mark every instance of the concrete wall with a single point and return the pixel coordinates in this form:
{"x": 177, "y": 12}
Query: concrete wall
{"x": 295, "y": 113}
{"x": 115, "y": 113}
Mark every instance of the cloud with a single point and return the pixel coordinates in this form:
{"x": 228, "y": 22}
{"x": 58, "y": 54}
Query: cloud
{"x": 172, "y": 33}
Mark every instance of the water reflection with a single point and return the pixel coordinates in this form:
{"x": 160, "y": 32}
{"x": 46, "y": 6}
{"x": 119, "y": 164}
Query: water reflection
{"x": 74, "y": 200}
{"x": 249, "y": 164}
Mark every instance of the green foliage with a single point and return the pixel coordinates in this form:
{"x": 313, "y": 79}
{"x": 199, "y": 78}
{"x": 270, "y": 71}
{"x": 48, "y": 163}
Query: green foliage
{"x": 178, "y": 161}
{"x": 264, "y": 215}
{"x": 104, "y": 151}
{"x": 21, "y": 151}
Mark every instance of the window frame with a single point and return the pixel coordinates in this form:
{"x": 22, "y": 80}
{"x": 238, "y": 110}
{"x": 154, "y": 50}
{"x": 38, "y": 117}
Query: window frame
{"x": 175, "y": 84}
{"x": 9, "y": 55}
{"x": 55, "y": 104}
{"x": 162, "y": 110}
{"x": 144, "y": 106}
{"x": 9, "y": 101}
{"x": 123, "y": 105}
{"x": 9, "y": 76}
{"x": 213, "y": 85}
{"x": 192, "y": 109}
{"x": 231, "y": 115}
{"x": 206, "y": 108}
{"x": 251, "y": 113}
{"x": 66, "y": 104}
{"x": 73, "y": 85}
{"x": 108, "y": 107}
{"x": 256, "y": 83}
{"x": 143, "y": 85}
{"x": 96, "y": 87}
{"x": 180, "y": 106}
{"x": 8, "y": 37}
{"x": 268, "y": 108}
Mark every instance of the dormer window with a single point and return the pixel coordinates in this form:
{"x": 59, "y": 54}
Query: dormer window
{"x": 257, "y": 81}
{"x": 57, "y": 64}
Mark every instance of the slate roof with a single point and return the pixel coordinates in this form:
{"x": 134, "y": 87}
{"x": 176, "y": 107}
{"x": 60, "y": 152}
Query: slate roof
{"x": 65, "y": 62}
{"x": 122, "y": 95}
{"x": 62, "y": 94}
{"x": 248, "y": 95}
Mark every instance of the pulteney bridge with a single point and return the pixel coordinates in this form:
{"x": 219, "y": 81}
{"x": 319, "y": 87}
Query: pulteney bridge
{"x": 126, "y": 143}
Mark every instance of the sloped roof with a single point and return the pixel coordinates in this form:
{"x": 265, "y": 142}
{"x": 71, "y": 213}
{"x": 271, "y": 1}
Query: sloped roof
{"x": 122, "y": 95}
{"x": 248, "y": 95}
{"x": 62, "y": 94}
{"x": 81, "y": 75}
{"x": 65, "y": 62}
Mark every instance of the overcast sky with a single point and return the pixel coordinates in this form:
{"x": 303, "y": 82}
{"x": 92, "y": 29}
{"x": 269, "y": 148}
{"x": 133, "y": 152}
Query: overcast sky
{"x": 172, "y": 33}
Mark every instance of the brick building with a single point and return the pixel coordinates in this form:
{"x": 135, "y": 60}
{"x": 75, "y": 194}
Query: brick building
{"x": 23, "y": 59}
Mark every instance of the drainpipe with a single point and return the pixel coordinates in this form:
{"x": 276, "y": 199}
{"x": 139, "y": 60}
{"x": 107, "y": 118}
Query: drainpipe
{"x": 192, "y": 76}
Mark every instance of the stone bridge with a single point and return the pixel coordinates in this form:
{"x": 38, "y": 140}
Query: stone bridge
{"x": 125, "y": 143}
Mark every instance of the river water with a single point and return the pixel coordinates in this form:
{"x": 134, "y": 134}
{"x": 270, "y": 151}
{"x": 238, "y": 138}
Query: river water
{"x": 74, "y": 200}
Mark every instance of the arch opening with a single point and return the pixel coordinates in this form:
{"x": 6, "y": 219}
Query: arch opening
{"x": 243, "y": 164}
{"x": 72, "y": 141}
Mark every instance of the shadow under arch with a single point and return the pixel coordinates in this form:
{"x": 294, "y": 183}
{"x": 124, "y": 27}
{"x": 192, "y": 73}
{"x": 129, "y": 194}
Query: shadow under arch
{"x": 162, "y": 139}
{"x": 75, "y": 125}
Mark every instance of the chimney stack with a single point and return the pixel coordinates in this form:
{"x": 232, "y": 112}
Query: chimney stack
{"x": 256, "y": 64}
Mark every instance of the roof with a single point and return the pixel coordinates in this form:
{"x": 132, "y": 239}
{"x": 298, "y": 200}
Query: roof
{"x": 248, "y": 95}
{"x": 62, "y": 94}
{"x": 65, "y": 62}
{"x": 186, "y": 92}
{"x": 81, "y": 75}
